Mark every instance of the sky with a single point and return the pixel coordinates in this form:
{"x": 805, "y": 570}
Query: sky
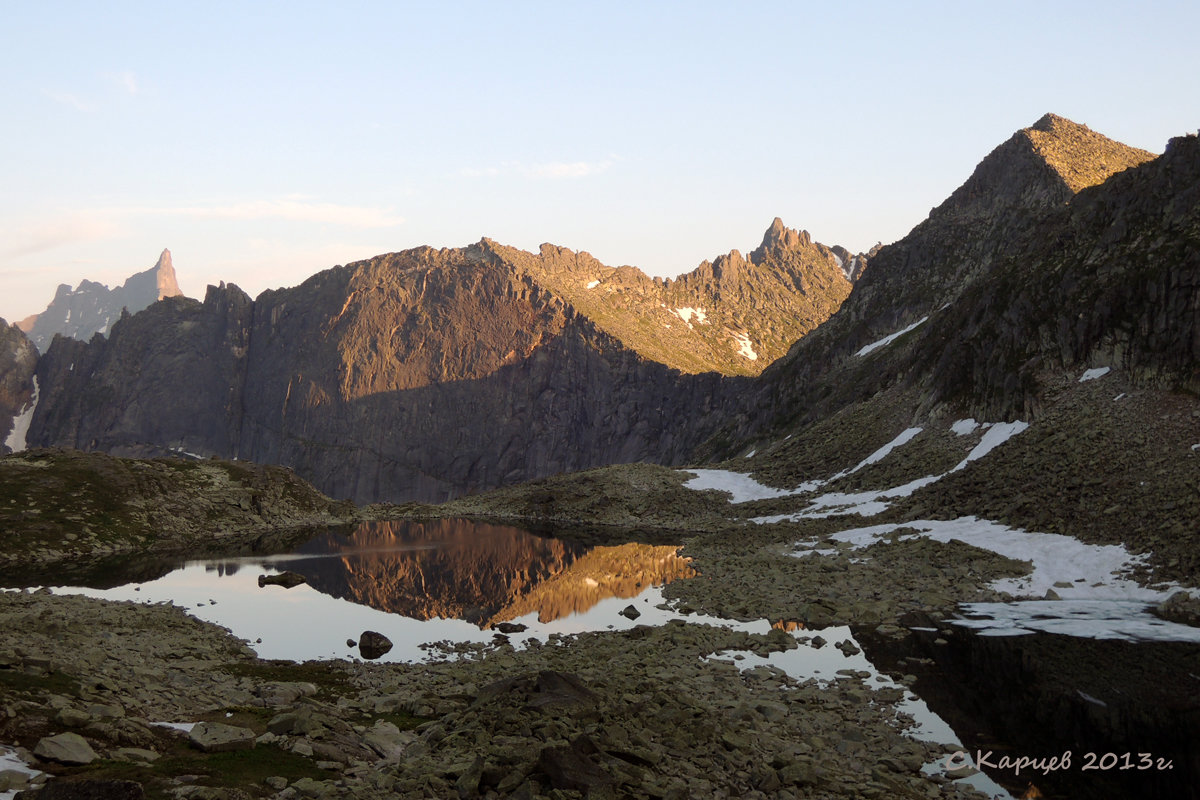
{"x": 263, "y": 142}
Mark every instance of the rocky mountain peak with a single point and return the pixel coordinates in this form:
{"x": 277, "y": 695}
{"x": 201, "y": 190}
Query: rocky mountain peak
{"x": 164, "y": 272}
{"x": 1037, "y": 168}
{"x": 1077, "y": 154}
{"x": 778, "y": 236}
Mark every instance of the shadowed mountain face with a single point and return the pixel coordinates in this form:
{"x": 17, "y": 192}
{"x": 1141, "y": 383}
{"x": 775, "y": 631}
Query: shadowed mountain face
{"x": 458, "y": 569}
{"x": 18, "y": 358}
{"x": 427, "y": 373}
{"x": 92, "y": 307}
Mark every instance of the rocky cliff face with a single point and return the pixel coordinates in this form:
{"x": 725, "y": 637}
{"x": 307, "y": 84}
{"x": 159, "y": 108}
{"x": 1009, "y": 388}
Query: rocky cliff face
{"x": 168, "y": 379}
{"x": 18, "y": 392}
{"x": 417, "y": 375}
{"x": 92, "y": 307}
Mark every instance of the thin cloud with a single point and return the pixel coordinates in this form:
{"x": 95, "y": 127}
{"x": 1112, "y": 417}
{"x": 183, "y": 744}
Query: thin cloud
{"x": 69, "y": 99}
{"x": 574, "y": 169}
{"x": 289, "y": 209}
{"x": 552, "y": 170}
{"x": 43, "y": 235}
{"x": 127, "y": 80}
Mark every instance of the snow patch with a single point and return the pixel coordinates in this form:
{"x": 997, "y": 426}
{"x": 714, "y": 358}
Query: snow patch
{"x": 874, "y": 502}
{"x": 593, "y": 284}
{"x": 9, "y": 760}
{"x": 1196, "y": 447}
{"x": 867, "y": 504}
{"x": 1128, "y": 620}
{"x": 186, "y": 727}
{"x": 20, "y": 425}
{"x": 751, "y": 453}
{"x": 1098, "y": 599}
{"x": 964, "y": 426}
{"x": 890, "y": 338}
{"x": 744, "y": 348}
{"x": 996, "y": 435}
{"x": 1093, "y": 571}
{"x": 1118, "y": 397}
{"x": 742, "y": 488}
{"x": 905, "y": 437}
{"x": 687, "y": 312}
{"x": 1093, "y": 374}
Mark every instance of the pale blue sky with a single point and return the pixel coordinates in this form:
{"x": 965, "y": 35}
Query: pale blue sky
{"x": 263, "y": 142}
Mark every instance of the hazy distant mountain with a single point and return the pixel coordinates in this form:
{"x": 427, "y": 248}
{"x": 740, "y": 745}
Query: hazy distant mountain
{"x": 92, "y": 307}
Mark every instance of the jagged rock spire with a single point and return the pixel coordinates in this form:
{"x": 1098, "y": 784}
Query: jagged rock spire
{"x": 165, "y": 273}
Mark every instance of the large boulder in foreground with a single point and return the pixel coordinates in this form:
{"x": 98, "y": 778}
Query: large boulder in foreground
{"x": 217, "y": 737}
{"x": 65, "y": 748}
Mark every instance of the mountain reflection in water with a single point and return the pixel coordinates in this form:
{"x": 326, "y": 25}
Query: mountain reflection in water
{"x": 481, "y": 573}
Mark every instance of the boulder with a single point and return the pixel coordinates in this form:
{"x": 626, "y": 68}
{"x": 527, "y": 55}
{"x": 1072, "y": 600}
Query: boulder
{"x": 217, "y": 737}
{"x": 372, "y": 645}
{"x": 630, "y": 611}
{"x": 65, "y": 748}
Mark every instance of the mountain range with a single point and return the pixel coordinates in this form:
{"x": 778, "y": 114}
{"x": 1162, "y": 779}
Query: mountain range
{"x": 431, "y": 373}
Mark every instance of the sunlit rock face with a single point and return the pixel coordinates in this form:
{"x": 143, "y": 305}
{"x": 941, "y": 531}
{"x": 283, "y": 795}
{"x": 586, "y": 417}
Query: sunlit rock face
{"x": 484, "y": 574}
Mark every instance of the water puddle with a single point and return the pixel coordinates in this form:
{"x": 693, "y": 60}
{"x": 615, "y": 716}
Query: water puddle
{"x": 415, "y": 582}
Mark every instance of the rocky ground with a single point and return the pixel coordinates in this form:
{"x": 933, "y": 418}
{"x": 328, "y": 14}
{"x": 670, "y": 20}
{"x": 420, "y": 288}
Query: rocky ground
{"x": 61, "y": 506}
{"x": 644, "y": 713}
{"x": 639, "y": 713}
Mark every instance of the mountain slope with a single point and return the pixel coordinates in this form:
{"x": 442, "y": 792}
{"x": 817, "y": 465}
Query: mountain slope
{"x": 1085, "y": 327}
{"x": 998, "y": 216}
{"x": 92, "y": 307}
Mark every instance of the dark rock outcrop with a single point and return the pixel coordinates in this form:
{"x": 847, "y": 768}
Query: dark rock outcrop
{"x": 168, "y": 379}
{"x": 18, "y": 359}
{"x": 92, "y": 307}
{"x": 373, "y": 645}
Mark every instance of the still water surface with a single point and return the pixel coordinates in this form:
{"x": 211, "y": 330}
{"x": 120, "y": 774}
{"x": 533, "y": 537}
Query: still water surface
{"x": 415, "y": 582}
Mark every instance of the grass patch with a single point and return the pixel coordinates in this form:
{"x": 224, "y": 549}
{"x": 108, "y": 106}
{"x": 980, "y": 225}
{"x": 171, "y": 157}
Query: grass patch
{"x": 12, "y": 680}
{"x": 243, "y": 769}
{"x": 326, "y": 676}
